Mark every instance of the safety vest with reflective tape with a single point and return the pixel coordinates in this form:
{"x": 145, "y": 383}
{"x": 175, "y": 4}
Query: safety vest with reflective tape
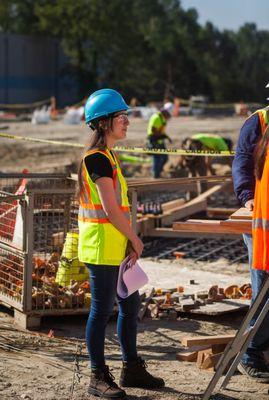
{"x": 260, "y": 222}
{"x": 99, "y": 241}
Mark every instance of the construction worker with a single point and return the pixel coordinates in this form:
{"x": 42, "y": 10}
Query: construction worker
{"x": 247, "y": 155}
{"x": 104, "y": 229}
{"x": 202, "y": 165}
{"x": 157, "y": 136}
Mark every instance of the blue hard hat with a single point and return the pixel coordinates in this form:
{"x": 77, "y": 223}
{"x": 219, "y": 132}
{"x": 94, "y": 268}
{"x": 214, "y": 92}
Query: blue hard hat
{"x": 102, "y": 103}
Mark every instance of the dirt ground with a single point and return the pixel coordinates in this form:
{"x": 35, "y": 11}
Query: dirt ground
{"x": 40, "y": 367}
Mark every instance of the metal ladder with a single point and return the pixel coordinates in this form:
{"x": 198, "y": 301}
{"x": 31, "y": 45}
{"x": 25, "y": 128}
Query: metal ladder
{"x": 239, "y": 344}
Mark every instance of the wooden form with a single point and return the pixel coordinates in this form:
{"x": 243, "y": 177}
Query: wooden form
{"x": 177, "y": 209}
{"x": 206, "y": 340}
{"x": 206, "y": 351}
{"x": 171, "y": 233}
{"x": 190, "y": 354}
{"x": 144, "y": 185}
{"x": 229, "y": 226}
{"x": 242, "y": 214}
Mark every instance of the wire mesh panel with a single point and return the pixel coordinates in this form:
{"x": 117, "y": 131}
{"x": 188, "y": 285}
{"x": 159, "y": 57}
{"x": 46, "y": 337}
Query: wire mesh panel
{"x": 60, "y": 280}
{"x": 48, "y": 276}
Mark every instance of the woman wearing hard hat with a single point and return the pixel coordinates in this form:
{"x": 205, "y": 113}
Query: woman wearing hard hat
{"x": 104, "y": 230}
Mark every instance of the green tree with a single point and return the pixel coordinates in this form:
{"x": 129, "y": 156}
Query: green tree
{"x": 148, "y": 49}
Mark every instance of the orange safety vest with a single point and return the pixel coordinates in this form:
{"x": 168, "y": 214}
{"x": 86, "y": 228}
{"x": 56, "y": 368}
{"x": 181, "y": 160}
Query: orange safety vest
{"x": 260, "y": 221}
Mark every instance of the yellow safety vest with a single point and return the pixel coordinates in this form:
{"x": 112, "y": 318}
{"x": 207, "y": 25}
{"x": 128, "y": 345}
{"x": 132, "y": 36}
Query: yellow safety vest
{"x": 263, "y": 114}
{"x": 99, "y": 241}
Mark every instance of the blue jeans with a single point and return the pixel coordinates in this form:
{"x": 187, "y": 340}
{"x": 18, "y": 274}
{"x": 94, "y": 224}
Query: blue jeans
{"x": 254, "y": 354}
{"x": 103, "y": 281}
{"x": 158, "y": 161}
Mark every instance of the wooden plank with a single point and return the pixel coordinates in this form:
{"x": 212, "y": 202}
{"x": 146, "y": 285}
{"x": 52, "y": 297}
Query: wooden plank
{"x": 214, "y": 226}
{"x": 170, "y": 232}
{"x": 206, "y": 340}
{"x": 172, "y": 184}
{"x": 239, "y": 225}
{"x": 210, "y": 361}
{"x": 220, "y": 211}
{"x": 190, "y": 354}
{"x": 242, "y": 213}
{"x": 203, "y": 354}
{"x": 184, "y": 211}
{"x": 170, "y": 205}
{"x": 144, "y": 225}
{"x": 199, "y": 226}
{"x": 144, "y": 305}
{"x": 225, "y": 306}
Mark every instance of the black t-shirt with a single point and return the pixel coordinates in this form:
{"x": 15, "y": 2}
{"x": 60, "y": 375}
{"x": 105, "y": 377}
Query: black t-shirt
{"x": 98, "y": 166}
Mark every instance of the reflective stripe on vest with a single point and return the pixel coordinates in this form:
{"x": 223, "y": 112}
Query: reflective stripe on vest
{"x": 95, "y": 214}
{"x": 260, "y": 222}
{"x": 263, "y": 115}
{"x": 90, "y": 202}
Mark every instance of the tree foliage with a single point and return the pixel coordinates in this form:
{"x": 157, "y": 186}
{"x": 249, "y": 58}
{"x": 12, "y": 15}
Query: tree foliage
{"x": 148, "y": 49}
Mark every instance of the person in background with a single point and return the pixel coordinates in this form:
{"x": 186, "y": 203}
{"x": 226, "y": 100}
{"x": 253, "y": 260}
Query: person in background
{"x": 249, "y": 162}
{"x": 104, "y": 229}
{"x": 202, "y": 165}
{"x": 156, "y": 136}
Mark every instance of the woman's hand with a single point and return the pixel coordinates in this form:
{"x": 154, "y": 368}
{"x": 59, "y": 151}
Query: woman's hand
{"x": 137, "y": 246}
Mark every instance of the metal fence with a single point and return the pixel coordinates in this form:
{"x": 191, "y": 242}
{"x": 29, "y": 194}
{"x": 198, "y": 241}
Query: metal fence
{"x": 39, "y": 268}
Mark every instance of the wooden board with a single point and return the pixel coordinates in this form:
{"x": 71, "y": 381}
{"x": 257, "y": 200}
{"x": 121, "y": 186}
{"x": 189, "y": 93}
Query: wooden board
{"x": 190, "y": 354}
{"x": 223, "y": 307}
{"x": 220, "y": 212}
{"x": 210, "y": 361}
{"x": 215, "y": 226}
{"x": 169, "y": 232}
{"x": 170, "y": 205}
{"x": 206, "y": 340}
{"x": 200, "y": 226}
{"x": 242, "y": 213}
{"x": 238, "y": 225}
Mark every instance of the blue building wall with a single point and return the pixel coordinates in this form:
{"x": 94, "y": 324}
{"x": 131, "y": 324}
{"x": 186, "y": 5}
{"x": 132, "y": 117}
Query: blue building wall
{"x": 32, "y": 69}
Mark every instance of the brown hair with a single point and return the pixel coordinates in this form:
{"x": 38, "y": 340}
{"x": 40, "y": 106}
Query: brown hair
{"x": 97, "y": 140}
{"x": 260, "y": 153}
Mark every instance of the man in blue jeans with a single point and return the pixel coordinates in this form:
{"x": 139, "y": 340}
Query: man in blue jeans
{"x": 252, "y": 363}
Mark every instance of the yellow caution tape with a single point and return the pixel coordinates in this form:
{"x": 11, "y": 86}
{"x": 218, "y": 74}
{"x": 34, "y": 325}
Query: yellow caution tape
{"x": 134, "y": 149}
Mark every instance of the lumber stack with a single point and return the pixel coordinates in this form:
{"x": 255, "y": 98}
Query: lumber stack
{"x": 169, "y": 303}
{"x": 206, "y": 351}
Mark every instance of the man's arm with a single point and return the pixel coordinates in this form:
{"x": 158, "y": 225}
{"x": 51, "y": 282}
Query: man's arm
{"x": 243, "y": 164}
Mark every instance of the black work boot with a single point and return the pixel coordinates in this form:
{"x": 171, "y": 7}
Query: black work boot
{"x": 259, "y": 373}
{"x": 134, "y": 374}
{"x": 102, "y": 385}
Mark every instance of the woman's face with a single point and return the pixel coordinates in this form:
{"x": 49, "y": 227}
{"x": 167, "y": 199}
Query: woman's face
{"x": 120, "y": 123}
